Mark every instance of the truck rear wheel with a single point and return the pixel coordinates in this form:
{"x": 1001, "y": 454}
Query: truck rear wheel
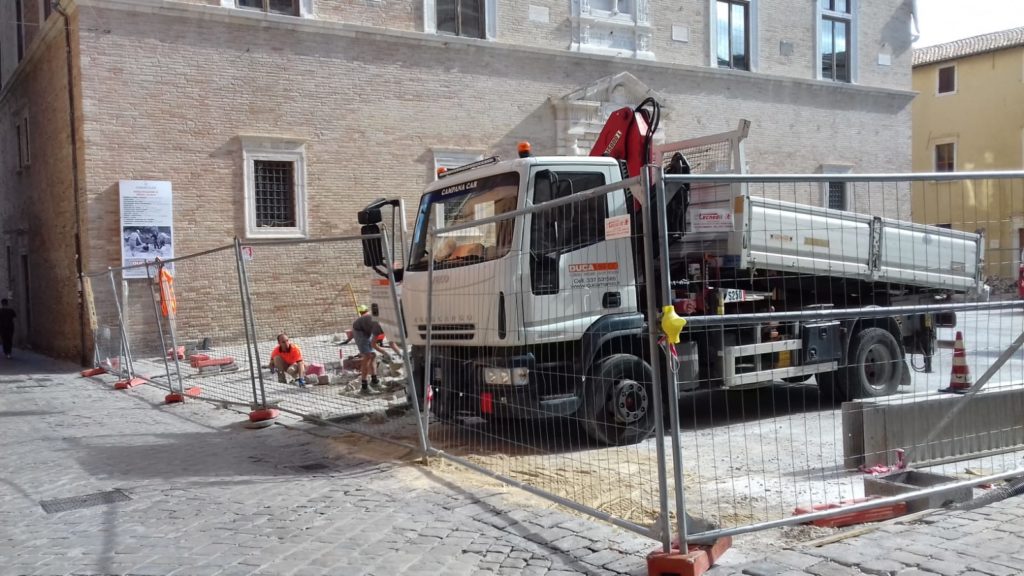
{"x": 618, "y": 401}
{"x": 876, "y": 368}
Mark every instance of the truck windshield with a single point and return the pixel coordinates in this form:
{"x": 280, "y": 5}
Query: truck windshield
{"x": 459, "y": 204}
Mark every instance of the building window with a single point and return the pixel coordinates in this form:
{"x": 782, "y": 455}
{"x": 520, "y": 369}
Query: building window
{"x": 449, "y": 159}
{"x": 947, "y": 79}
{"x": 837, "y": 195}
{"x": 835, "y": 44}
{"x": 274, "y": 188}
{"x": 286, "y": 7}
{"x": 468, "y": 18}
{"x": 732, "y": 34}
{"x": 45, "y": 9}
{"x": 461, "y": 18}
{"x": 945, "y": 157}
{"x": 24, "y": 143}
{"x": 19, "y": 24}
{"x": 275, "y": 185}
{"x": 612, "y": 28}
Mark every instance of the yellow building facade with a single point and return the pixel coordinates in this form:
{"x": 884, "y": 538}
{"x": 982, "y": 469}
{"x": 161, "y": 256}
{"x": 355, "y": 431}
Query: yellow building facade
{"x": 968, "y": 116}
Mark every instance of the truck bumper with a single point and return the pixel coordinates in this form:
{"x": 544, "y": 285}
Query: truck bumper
{"x": 461, "y": 391}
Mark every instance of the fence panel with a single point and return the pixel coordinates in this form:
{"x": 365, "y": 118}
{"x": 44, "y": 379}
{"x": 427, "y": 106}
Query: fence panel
{"x": 533, "y": 376}
{"x": 310, "y": 291}
{"x": 104, "y": 309}
{"x": 145, "y": 333}
{"x": 821, "y": 317}
{"x": 201, "y": 340}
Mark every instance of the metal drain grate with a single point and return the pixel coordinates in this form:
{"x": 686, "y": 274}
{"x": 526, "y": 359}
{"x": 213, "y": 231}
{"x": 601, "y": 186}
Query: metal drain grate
{"x": 86, "y": 501}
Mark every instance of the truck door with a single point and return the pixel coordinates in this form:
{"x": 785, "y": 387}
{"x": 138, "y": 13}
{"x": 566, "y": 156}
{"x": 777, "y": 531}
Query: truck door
{"x": 573, "y": 274}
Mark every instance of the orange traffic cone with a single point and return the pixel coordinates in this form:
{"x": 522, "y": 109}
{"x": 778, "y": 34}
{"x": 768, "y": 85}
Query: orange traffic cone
{"x": 960, "y": 375}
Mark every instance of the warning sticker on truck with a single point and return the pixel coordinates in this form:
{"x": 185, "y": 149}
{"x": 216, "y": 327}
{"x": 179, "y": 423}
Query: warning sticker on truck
{"x": 712, "y": 220}
{"x": 594, "y": 274}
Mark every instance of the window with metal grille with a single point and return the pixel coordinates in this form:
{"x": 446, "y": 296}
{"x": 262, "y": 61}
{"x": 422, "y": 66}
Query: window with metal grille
{"x": 286, "y": 7}
{"x": 733, "y": 34}
{"x": 274, "y": 193}
{"x": 947, "y": 79}
{"x": 836, "y": 43}
{"x": 837, "y": 195}
{"x": 945, "y": 157}
{"x": 461, "y": 17}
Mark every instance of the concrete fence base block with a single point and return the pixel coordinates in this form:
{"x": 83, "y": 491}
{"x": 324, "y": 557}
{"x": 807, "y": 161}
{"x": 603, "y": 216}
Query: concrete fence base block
{"x": 697, "y": 560}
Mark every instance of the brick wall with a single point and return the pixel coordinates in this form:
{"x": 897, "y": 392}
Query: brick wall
{"x": 166, "y": 95}
{"x": 36, "y": 207}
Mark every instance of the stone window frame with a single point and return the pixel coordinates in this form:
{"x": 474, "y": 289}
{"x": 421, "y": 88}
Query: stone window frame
{"x": 490, "y": 19}
{"x": 753, "y": 36}
{"x": 636, "y": 19}
{"x": 449, "y": 158}
{"x": 851, "y": 48}
{"x": 274, "y": 149}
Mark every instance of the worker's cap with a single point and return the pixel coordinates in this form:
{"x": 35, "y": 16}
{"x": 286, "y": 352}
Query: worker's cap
{"x": 362, "y": 309}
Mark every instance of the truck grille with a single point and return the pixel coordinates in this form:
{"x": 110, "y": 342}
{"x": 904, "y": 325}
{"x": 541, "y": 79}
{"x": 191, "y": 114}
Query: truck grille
{"x": 448, "y": 331}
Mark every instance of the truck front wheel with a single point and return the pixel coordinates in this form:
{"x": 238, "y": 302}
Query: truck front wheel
{"x": 876, "y": 368}
{"x": 618, "y": 401}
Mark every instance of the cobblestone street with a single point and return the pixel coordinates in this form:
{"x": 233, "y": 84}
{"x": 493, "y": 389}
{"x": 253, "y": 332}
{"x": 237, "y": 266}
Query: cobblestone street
{"x": 199, "y": 494}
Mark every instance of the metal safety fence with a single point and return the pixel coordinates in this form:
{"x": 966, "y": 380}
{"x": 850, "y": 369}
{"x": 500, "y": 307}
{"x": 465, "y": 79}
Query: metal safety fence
{"x": 205, "y": 326}
{"x": 851, "y": 343}
{"x": 698, "y": 355}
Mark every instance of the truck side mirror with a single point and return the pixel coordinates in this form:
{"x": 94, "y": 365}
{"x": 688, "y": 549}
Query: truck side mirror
{"x": 373, "y": 248}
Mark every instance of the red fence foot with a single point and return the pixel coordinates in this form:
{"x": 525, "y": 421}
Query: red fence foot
{"x": 128, "y": 383}
{"x": 263, "y": 414}
{"x": 193, "y": 392}
{"x": 697, "y": 560}
{"x": 92, "y": 372}
{"x": 173, "y": 398}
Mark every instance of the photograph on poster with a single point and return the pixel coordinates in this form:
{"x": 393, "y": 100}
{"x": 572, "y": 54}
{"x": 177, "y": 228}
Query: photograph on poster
{"x": 147, "y": 242}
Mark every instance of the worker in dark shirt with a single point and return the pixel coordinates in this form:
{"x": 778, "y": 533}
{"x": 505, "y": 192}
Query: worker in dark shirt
{"x": 365, "y": 330}
{"x": 7, "y": 317}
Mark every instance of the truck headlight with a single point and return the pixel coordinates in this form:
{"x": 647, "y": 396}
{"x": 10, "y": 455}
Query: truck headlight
{"x": 520, "y": 376}
{"x": 506, "y": 377}
{"x": 497, "y": 376}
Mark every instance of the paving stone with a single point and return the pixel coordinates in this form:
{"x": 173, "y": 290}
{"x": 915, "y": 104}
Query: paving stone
{"x": 601, "y": 558}
{"x": 571, "y": 543}
{"x": 945, "y": 567}
{"x": 765, "y": 568}
{"x": 826, "y": 568}
{"x": 907, "y": 558}
{"x": 882, "y": 567}
{"x": 843, "y": 553}
{"x": 993, "y": 569}
{"x": 795, "y": 559}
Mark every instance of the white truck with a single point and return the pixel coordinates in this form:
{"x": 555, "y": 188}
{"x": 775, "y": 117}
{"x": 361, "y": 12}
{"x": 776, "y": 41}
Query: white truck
{"x": 544, "y": 315}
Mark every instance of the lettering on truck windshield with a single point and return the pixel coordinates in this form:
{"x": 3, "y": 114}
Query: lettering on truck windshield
{"x": 461, "y": 204}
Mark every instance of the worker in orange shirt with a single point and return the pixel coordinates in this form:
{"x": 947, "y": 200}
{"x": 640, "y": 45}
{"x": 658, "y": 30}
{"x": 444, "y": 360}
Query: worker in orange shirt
{"x": 287, "y": 360}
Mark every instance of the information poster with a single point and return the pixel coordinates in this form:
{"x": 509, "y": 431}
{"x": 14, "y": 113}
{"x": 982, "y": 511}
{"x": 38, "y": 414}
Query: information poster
{"x": 147, "y": 230}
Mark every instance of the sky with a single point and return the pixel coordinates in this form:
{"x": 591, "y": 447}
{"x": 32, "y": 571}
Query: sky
{"x": 947, "y": 20}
